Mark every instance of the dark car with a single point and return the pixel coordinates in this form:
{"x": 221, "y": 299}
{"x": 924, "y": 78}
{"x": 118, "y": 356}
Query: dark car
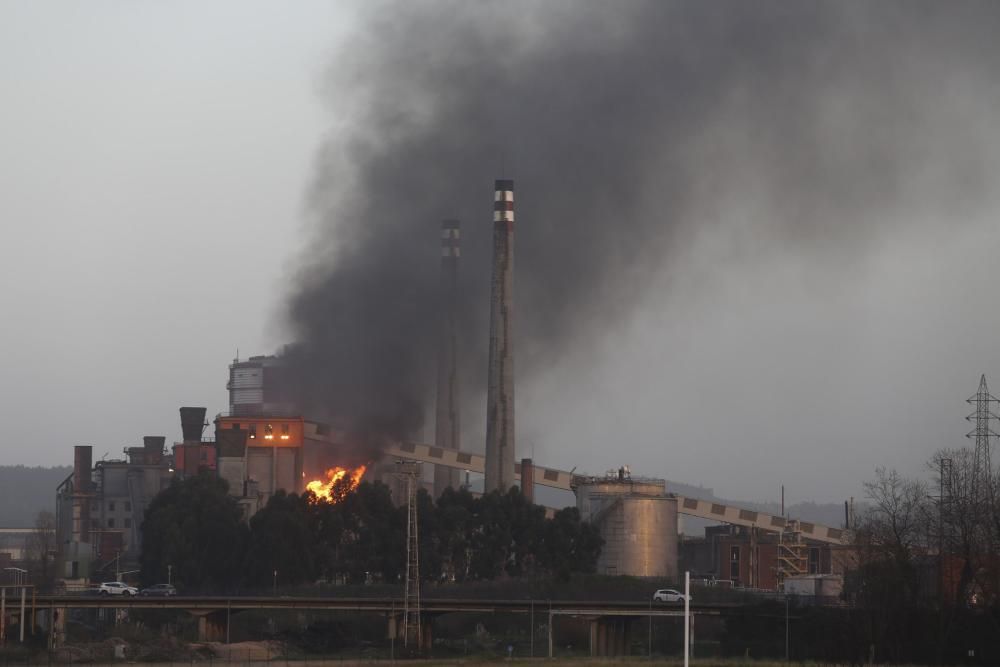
{"x": 162, "y": 590}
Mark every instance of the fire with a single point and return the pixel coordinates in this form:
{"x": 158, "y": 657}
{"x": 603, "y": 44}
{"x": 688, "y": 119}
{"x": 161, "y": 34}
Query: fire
{"x": 339, "y": 482}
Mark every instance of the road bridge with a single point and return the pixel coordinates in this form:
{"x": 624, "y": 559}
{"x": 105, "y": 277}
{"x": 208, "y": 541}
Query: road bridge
{"x": 609, "y": 620}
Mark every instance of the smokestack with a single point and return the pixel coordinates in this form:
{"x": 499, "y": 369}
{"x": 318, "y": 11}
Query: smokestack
{"x": 500, "y": 389}
{"x": 192, "y": 423}
{"x": 153, "y": 446}
{"x": 446, "y": 431}
{"x": 83, "y": 458}
{"x": 528, "y": 480}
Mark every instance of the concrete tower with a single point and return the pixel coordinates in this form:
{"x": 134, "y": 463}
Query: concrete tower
{"x": 500, "y": 389}
{"x": 446, "y": 432}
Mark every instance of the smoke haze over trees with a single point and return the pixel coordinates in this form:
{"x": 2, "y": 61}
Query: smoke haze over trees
{"x": 646, "y": 139}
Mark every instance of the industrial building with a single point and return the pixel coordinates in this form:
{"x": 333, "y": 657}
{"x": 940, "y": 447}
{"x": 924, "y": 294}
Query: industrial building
{"x": 99, "y": 508}
{"x": 264, "y": 444}
{"x": 259, "y": 386}
{"x": 257, "y": 456}
{"x": 750, "y": 557}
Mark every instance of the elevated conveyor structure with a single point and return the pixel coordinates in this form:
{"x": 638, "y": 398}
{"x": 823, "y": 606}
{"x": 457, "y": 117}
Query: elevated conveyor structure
{"x": 561, "y": 479}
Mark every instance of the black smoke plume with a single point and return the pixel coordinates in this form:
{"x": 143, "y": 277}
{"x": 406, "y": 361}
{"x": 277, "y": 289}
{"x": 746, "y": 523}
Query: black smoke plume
{"x": 628, "y": 127}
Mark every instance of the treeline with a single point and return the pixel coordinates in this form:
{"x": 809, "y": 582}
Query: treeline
{"x": 25, "y": 491}
{"x": 194, "y": 527}
{"x": 926, "y": 562}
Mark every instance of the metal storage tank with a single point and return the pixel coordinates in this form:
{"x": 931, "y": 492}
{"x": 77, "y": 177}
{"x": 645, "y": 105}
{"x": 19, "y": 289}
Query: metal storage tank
{"x": 637, "y": 520}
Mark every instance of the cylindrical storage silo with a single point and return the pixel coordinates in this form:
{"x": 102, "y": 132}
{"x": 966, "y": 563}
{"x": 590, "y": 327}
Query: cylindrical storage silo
{"x": 638, "y": 523}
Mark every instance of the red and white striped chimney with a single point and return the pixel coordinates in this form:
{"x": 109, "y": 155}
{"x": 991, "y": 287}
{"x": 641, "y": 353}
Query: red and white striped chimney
{"x": 500, "y": 389}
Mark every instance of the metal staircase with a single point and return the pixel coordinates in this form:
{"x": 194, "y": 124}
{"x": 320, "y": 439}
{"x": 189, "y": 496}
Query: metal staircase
{"x": 793, "y": 553}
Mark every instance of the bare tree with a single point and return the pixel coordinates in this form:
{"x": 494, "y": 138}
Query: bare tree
{"x": 966, "y": 528}
{"x": 898, "y": 515}
{"x": 41, "y": 549}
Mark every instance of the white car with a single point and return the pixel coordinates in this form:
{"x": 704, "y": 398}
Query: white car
{"x": 117, "y": 588}
{"x": 668, "y": 595}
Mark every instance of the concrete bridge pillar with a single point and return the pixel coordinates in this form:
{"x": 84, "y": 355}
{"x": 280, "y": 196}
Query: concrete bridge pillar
{"x": 57, "y": 626}
{"x": 212, "y": 626}
{"x": 610, "y": 636}
{"x": 394, "y": 629}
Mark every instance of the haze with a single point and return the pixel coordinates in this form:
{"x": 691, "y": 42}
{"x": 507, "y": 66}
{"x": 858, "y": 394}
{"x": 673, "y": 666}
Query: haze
{"x": 758, "y": 250}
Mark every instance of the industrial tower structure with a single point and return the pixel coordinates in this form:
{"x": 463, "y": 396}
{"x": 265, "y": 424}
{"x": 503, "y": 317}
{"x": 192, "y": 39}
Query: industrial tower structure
{"x": 499, "y": 464}
{"x": 446, "y": 432}
{"x": 983, "y": 417}
{"x": 409, "y": 473}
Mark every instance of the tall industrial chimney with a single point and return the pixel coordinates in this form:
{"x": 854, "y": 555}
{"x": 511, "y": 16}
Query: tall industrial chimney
{"x": 446, "y": 432}
{"x": 83, "y": 459}
{"x": 500, "y": 389}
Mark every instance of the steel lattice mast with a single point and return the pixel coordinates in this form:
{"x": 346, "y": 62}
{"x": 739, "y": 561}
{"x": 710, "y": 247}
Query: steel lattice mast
{"x": 411, "y": 593}
{"x": 983, "y": 434}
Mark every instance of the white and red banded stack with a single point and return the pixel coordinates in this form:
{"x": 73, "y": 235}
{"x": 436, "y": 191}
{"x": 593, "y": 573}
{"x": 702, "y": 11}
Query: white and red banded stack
{"x": 500, "y": 389}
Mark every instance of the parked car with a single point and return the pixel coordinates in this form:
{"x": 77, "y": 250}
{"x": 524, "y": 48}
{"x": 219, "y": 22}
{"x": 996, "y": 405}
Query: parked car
{"x": 117, "y": 588}
{"x": 668, "y": 595}
{"x": 161, "y": 590}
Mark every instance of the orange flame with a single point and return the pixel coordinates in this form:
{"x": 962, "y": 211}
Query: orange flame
{"x": 339, "y": 482}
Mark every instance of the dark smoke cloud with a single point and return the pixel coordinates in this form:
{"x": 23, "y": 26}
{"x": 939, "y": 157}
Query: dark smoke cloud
{"x": 628, "y": 128}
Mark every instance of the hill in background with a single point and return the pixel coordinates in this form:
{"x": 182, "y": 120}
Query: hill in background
{"x": 24, "y": 492}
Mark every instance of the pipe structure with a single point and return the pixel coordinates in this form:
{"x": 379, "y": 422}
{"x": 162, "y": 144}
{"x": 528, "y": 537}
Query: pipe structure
{"x": 499, "y": 464}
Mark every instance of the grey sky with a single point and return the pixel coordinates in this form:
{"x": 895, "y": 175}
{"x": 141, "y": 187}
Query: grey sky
{"x": 155, "y": 168}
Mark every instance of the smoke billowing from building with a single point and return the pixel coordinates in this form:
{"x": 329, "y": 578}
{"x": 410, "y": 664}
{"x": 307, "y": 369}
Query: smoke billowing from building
{"x": 639, "y": 126}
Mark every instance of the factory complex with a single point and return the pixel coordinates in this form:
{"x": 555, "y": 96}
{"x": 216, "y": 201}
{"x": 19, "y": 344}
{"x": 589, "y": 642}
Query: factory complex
{"x": 264, "y": 444}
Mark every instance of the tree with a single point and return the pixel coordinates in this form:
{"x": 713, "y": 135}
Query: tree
{"x": 455, "y": 513}
{"x": 373, "y": 535}
{"x": 890, "y": 538}
{"x": 195, "y": 527}
{"x": 280, "y": 541}
{"x": 41, "y": 548}
{"x": 570, "y": 545}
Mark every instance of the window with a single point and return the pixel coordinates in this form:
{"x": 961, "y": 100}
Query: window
{"x": 813, "y": 560}
{"x": 111, "y": 506}
{"x": 236, "y": 426}
{"x": 204, "y": 456}
{"x": 111, "y": 523}
{"x": 734, "y": 563}
{"x": 268, "y": 432}
{"x": 128, "y": 523}
{"x": 128, "y": 506}
{"x": 253, "y": 431}
{"x": 93, "y": 524}
{"x": 284, "y": 431}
